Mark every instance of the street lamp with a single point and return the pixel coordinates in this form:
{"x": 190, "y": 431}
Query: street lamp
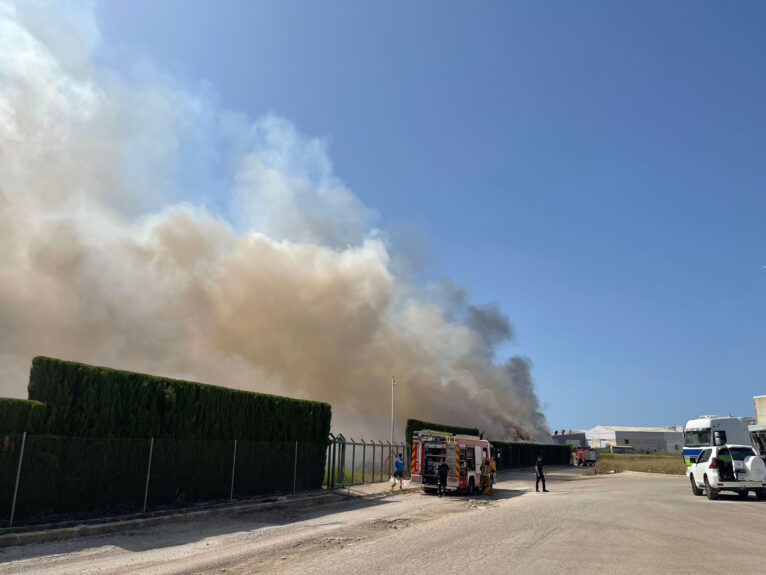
{"x": 390, "y": 449}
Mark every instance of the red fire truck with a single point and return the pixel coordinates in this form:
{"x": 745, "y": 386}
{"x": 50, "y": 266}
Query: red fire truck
{"x": 463, "y": 453}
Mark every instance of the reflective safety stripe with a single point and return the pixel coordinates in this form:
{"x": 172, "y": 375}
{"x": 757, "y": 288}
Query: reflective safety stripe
{"x": 414, "y": 461}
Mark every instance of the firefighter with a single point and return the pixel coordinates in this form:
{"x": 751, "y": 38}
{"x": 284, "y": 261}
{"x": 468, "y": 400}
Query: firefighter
{"x": 486, "y": 473}
{"x": 442, "y": 472}
{"x": 540, "y": 476}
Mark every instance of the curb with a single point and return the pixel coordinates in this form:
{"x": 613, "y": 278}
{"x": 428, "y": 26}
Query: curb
{"x": 85, "y": 530}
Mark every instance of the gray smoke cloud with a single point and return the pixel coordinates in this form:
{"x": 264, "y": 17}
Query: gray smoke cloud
{"x": 143, "y": 228}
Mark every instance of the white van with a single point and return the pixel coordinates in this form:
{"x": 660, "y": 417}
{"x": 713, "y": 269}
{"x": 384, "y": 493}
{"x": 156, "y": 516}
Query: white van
{"x": 712, "y": 430}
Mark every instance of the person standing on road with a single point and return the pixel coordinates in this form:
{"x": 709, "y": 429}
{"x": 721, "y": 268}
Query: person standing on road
{"x": 442, "y": 472}
{"x": 540, "y": 476}
{"x": 398, "y": 471}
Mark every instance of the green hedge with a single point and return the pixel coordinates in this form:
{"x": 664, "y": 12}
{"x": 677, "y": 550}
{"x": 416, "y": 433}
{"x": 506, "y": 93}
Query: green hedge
{"x": 90, "y": 401}
{"x": 19, "y": 415}
{"x": 87, "y": 447}
{"x": 525, "y": 454}
{"x": 414, "y": 425}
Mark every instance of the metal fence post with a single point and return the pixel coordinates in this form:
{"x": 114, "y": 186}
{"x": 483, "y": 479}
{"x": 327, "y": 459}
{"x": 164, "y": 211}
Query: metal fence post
{"x": 332, "y": 468}
{"x": 295, "y": 467}
{"x": 364, "y": 458}
{"x": 353, "y": 462}
{"x": 382, "y": 453}
{"x": 148, "y": 472}
{"x": 18, "y": 475}
{"x": 372, "y": 474}
{"x": 233, "y": 467}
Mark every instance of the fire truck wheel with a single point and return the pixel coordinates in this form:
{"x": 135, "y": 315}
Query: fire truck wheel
{"x": 471, "y": 487}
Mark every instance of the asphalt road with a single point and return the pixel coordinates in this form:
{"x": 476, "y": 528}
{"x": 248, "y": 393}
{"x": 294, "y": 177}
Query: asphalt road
{"x": 625, "y": 523}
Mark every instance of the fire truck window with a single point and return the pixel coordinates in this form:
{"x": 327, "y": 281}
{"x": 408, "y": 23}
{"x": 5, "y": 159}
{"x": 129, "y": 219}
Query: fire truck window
{"x": 467, "y": 455}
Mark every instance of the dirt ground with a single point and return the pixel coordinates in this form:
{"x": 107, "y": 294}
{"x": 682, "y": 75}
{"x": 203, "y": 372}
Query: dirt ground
{"x": 619, "y": 524}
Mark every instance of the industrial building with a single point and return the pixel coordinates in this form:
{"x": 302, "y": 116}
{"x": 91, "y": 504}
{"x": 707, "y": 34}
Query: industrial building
{"x": 758, "y": 431}
{"x": 638, "y": 438}
{"x": 759, "y": 402}
{"x": 573, "y": 437}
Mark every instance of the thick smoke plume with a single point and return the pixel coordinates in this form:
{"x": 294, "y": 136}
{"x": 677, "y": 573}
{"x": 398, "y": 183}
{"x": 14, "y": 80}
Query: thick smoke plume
{"x": 143, "y": 228}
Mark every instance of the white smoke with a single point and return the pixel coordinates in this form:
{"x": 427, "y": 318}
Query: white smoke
{"x": 143, "y": 228}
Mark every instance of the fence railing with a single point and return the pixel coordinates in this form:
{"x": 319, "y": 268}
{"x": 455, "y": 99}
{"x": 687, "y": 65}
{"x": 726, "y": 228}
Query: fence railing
{"x": 352, "y": 462}
{"x": 49, "y": 478}
{"x": 45, "y": 478}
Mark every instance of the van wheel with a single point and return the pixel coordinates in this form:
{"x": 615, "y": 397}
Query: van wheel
{"x": 760, "y": 494}
{"x": 709, "y": 491}
{"x": 696, "y": 490}
{"x": 743, "y": 494}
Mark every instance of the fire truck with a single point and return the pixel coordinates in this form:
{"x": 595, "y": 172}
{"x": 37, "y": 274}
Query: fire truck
{"x": 584, "y": 456}
{"x": 463, "y": 453}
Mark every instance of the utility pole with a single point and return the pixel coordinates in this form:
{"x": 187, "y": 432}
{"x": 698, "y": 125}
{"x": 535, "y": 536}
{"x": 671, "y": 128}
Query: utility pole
{"x": 393, "y": 383}
{"x": 390, "y": 449}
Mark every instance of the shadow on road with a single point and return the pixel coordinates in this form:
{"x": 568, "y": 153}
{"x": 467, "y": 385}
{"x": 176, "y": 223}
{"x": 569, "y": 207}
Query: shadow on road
{"x": 194, "y": 529}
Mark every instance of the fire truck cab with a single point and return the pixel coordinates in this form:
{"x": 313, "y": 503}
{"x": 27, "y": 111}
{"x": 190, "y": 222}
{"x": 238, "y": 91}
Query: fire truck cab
{"x": 463, "y": 453}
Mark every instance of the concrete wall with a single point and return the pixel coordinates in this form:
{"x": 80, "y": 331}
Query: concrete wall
{"x": 643, "y": 440}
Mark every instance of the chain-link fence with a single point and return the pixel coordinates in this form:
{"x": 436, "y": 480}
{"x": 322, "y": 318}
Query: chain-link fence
{"x": 45, "y": 478}
{"x": 48, "y": 478}
{"x": 352, "y": 462}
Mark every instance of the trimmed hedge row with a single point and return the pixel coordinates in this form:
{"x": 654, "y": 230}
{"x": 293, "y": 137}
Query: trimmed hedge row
{"x": 414, "y": 425}
{"x": 87, "y": 447}
{"x": 18, "y": 415}
{"x": 511, "y": 454}
{"x": 525, "y": 454}
{"x": 90, "y": 401}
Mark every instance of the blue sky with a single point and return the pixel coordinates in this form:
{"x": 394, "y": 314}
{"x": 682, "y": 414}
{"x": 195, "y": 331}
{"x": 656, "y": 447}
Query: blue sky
{"x": 595, "y": 168}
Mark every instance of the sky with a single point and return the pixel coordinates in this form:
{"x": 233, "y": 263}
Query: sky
{"x": 593, "y": 169}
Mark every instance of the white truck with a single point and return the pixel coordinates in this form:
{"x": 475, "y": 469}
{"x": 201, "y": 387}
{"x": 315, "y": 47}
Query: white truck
{"x": 711, "y": 430}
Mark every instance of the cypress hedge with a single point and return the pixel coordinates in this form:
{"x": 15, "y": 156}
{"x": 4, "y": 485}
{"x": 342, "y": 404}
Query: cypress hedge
{"x": 414, "y": 425}
{"x": 89, "y": 448}
{"x": 19, "y": 415}
{"x": 511, "y": 454}
{"x": 91, "y": 401}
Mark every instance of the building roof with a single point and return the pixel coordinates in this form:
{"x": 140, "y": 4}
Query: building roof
{"x": 638, "y": 428}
